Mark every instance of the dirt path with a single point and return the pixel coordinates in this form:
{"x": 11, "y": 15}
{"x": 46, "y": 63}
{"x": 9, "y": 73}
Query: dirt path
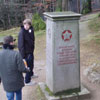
{"x": 86, "y": 54}
{"x": 29, "y": 91}
{"x": 84, "y": 31}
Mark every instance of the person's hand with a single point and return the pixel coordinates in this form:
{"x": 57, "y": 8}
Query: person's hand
{"x": 25, "y": 63}
{"x": 28, "y": 69}
{"x": 24, "y": 60}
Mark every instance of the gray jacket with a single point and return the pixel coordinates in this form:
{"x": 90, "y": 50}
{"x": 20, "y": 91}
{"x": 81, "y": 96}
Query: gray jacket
{"x": 11, "y": 68}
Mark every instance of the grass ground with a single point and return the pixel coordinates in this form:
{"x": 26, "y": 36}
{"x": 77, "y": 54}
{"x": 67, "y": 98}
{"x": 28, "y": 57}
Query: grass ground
{"x": 94, "y": 24}
{"x": 90, "y": 49}
{"x": 39, "y": 40}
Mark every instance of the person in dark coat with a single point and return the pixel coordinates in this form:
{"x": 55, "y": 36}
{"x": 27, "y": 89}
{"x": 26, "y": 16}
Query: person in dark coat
{"x": 26, "y": 45}
{"x": 11, "y": 69}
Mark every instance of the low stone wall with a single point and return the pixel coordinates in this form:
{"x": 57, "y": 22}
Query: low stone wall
{"x": 93, "y": 73}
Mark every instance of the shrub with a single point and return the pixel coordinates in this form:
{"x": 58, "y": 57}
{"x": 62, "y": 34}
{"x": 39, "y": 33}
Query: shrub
{"x": 38, "y": 23}
{"x": 58, "y": 9}
{"x": 99, "y": 15}
{"x": 86, "y": 7}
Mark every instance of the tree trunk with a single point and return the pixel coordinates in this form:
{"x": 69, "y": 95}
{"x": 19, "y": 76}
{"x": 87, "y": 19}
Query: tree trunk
{"x": 64, "y": 5}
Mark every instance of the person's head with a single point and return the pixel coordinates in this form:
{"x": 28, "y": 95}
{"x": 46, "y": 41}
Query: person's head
{"x": 27, "y": 23}
{"x": 9, "y": 40}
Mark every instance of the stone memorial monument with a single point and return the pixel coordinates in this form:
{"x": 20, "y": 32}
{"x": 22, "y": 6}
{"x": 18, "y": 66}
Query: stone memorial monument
{"x": 62, "y": 51}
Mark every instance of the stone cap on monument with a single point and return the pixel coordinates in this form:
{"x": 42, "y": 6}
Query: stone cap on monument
{"x": 62, "y": 15}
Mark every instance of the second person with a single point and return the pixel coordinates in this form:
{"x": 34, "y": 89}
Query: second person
{"x": 26, "y": 45}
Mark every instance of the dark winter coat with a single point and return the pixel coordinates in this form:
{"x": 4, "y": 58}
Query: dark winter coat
{"x": 26, "y": 41}
{"x": 11, "y": 68}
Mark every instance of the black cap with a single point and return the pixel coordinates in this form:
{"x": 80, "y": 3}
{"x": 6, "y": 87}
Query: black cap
{"x": 8, "y": 39}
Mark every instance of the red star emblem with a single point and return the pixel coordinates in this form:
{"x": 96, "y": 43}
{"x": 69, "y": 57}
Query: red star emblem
{"x": 66, "y": 35}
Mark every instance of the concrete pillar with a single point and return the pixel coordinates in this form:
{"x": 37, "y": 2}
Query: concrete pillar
{"x": 62, "y": 51}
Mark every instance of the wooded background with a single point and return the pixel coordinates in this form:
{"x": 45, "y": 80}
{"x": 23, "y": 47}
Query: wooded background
{"x": 13, "y": 12}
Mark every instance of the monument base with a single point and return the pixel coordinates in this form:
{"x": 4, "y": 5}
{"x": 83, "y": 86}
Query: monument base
{"x": 83, "y": 95}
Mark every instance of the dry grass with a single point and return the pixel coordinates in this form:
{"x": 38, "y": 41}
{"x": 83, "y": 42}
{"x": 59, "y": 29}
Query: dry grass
{"x": 90, "y": 52}
{"x": 94, "y": 24}
{"x": 40, "y": 47}
{"x": 40, "y": 41}
{"x": 90, "y": 49}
